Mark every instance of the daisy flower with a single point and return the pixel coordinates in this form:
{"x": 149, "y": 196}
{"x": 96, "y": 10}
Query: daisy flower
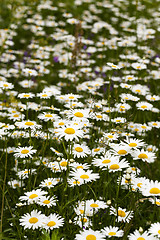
{"x": 112, "y": 232}
{"x": 46, "y": 201}
{"x": 120, "y": 149}
{"x": 103, "y": 162}
{"x": 25, "y": 173}
{"x": 23, "y": 152}
{"x": 144, "y": 106}
{"x": 82, "y": 221}
{"x": 15, "y": 184}
{"x": 77, "y": 165}
{"x": 95, "y": 205}
{"x": 29, "y": 72}
{"x": 117, "y": 165}
{"x": 133, "y": 143}
{"x": 69, "y": 132}
{"x": 44, "y": 95}
{"x": 79, "y": 114}
{"x": 136, "y": 235}
{"x": 48, "y": 116}
{"x": 80, "y": 150}
{"x": 113, "y": 66}
{"x": 139, "y": 66}
{"x": 26, "y": 95}
{"x": 49, "y": 182}
{"x": 73, "y": 182}
{"x": 98, "y": 150}
{"x": 86, "y": 176}
{"x": 143, "y": 155}
{"x": 33, "y": 196}
{"x": 110, "y": 136}
{"x": 89, "y": 235}
{"x": 6, "y": 85}
{"x": 122, "y": 214}
{"x": 151, "y": 188}
{"x": 33, "y": 220}
{"x": 152, "y": 98}
{"x": 155, "y": 229}
{"x": 28, "y": 124}
{"x": 26, "y": 83}
{"x": 154, "y": 124}
{"x": 53, "y": 221}
{"x": 16, "y": 116}
{"x": 119, "y": 120}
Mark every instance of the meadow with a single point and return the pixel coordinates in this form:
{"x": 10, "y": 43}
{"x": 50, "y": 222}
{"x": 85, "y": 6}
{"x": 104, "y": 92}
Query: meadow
{"x": 79, "y": 120}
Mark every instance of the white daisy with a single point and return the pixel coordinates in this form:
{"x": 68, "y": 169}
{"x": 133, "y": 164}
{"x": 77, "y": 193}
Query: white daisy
{"x": 53, "y": 221}
{"x": 23, "y": 152}
{"x": 33, "y": 220}
{"x": 112, "y": 232}
{"x": 80, "y": 150}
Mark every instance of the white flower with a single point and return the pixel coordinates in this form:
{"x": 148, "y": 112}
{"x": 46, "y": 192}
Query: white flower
{"x": 33, "y": 220}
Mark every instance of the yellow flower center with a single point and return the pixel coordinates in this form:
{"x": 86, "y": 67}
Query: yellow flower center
{"x": 99, "y": 116}
{"x": 159, "y": 231}
{"x": 91, "y": 237}
{"x": 29, "y": 123}
{"x": 149, "y": 149}
{"x": 61, "y": 123}
{"x": 154, "y": 191}
{"x": 114, "y": 166}
{"x": 122, "y": 151}
{"x": 111, "y": 233}
{"x": 78, "y": 167}
{"x": 158, "y": 203}
{"x": 94, "y": 205}
{"x": 5, "y": 85}
{"x": 154, "y": 124}
{"x": 46, "y": 201}
{"x": 133, "y": 144}
{"x": 106, "y": 161}
{"x": 79, "y": 149}
{"x": 51, "y": 224}
{"x": 71, "y": 97}
{"x": 63, "y": 164}
{"x": 83, "y": 219}
{"x": 25, "y": 151}
{"x": 152, "y": 98}
{"x": 84, "y": 176}
{"x": 121, "y": 213}
{"x": 16, "y": 115}
{"x": 48, "y": 115}
{"x": 44, "y": 95}
{"x": 96, "y": 149}
{"x": 69, "y": 131}
{"x": 143, "y": 155}
{"x": 140, "y": 238}
{"x": 139, "y": 185}
{"x": 143, "y": 106}
{"x": 110, "y": 136}
{"x": 33, "y": 220}
{"x": 76, "y": 182}
{"x": 144, "y": 127}
{"x": 138, "y": 90}
{"x": 26, "y": 95}
{"x": 118, "y": 120}
{"x": 33, "y": 196}
{"x": 78, "y": 114}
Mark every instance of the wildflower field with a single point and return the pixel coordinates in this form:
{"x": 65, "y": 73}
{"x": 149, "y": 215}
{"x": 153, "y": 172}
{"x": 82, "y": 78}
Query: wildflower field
{"x": 79, "y": 119}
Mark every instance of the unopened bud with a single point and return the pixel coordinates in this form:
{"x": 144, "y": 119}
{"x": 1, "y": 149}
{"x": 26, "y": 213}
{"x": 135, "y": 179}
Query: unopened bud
{"x": 140, "y": 229}
{"x": 109, "y": 202}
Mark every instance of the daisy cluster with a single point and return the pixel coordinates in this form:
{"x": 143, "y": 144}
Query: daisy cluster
{"x": 79, "y": 120}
